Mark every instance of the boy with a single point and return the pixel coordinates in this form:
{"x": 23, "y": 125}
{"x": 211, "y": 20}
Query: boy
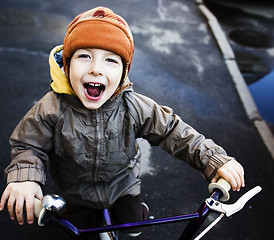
{"x": 87, "y": 125}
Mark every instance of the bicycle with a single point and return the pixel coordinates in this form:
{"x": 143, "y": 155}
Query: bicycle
{"x": 50, "y": 208}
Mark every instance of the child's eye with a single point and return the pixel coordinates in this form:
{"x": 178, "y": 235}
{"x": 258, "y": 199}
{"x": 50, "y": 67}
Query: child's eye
{"x": 83, "y": 56}
{"x": 111, "y": 60}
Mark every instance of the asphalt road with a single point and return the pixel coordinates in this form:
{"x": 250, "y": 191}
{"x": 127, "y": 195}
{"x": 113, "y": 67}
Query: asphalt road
{"x": 177, "y": 63}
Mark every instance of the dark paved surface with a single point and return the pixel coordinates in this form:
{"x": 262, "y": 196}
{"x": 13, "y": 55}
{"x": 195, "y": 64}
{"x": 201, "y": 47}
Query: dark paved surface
{"x": 177, "y": 63}
{"x": 247, "y": 28}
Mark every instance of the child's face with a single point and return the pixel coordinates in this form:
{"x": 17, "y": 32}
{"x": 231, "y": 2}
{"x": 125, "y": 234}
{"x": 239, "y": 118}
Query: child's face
{"x": 95, "y": 74}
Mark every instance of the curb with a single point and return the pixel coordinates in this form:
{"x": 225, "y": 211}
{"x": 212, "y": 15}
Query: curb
{"x": 241, "y": 87}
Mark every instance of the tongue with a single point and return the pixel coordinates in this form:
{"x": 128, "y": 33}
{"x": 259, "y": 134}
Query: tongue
{"x": 93, "y": 91}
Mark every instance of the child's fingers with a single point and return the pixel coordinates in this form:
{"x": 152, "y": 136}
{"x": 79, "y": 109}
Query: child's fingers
{"x": 243, "y": 180}
{"x": 228, "y": 175}
{"x": 241, "y": 173}
{"x": 29, "y": 209}
{"x": 237, "y": 172}
{"x": 17, "y": 195}
{"x": 19, "y": 208}
{"x": 232, "y": 172}
{"x": 4, "y": 198}
{"x": 10, "y": 206}
{"x": 39, "y": 193}
{"x": 237, "y": 179}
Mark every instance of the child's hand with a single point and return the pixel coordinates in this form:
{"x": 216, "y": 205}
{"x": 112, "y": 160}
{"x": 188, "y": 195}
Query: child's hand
{"x": 19, "y": 194}
{"x": 233, "y": 172}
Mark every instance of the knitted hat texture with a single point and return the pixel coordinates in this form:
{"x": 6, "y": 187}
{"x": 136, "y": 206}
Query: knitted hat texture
{"x": 99, "y": 28}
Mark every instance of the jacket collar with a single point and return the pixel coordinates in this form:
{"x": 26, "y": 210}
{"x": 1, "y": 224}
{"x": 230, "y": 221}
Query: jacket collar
{"x": 59, "y": 83}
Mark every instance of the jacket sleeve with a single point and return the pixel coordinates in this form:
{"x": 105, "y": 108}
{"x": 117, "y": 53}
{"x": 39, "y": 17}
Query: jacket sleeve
{"x": 160, "y": 126}
{"x": 31, "y": 144}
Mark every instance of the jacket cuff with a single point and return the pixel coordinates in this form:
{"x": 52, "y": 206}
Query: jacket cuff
{"x": 214, "y": 163}
{"x": 26, "y": 174}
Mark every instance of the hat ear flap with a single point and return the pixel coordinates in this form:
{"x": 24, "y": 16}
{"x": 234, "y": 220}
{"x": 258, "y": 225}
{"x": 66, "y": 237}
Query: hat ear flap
{"x": 66, "y": 67}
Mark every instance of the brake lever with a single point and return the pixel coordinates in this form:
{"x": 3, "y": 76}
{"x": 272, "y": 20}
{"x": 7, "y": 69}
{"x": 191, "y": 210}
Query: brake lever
{"x": 230, "y": 209}
{"x": 227, "y": 209}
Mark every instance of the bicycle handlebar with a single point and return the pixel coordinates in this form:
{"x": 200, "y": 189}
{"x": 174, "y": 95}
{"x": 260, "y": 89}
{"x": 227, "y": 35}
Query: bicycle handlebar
{"x": 223, "y": 186}
{"x": 46, "y": 212}
{"x": 37, "y": 207}
{"x": 39, "y": 211}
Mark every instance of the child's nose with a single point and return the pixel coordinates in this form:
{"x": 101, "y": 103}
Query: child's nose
{"x": 95, "y": 68}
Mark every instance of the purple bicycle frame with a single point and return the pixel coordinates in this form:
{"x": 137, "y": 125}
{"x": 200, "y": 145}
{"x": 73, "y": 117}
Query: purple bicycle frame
{"x": 196, "y": 218}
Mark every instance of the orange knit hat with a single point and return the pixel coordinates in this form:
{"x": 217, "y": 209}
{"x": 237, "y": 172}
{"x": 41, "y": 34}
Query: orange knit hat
{"x": 99, "y": 28}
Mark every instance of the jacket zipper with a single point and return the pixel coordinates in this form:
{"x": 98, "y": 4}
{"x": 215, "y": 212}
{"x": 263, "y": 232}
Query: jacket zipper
{"x": 98, "y": 144}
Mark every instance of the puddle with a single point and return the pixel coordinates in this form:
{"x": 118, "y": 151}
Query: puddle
{"x": 250, "y": 38}
{"x": 248, "y": 28}
{"x": 252, "y": 67}
{"x": 260, "y": 81}
{"x": 263, "y": 93}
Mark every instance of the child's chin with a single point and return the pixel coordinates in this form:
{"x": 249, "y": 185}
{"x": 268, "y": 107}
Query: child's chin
{"x": 93, "y": 105}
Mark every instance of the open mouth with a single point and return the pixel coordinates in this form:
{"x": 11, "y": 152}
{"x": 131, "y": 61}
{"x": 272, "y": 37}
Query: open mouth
{"x": 94, "y": 90}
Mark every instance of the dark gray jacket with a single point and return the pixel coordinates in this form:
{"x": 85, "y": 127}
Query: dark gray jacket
{"x": 93, "y": 153}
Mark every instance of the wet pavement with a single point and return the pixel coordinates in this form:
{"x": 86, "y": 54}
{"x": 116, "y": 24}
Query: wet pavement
{"x": 248, "y": 30}
{"x": 177, "y": 63}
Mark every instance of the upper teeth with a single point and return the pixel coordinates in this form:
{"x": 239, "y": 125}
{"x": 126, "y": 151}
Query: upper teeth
{"x": 94, "y": 84}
